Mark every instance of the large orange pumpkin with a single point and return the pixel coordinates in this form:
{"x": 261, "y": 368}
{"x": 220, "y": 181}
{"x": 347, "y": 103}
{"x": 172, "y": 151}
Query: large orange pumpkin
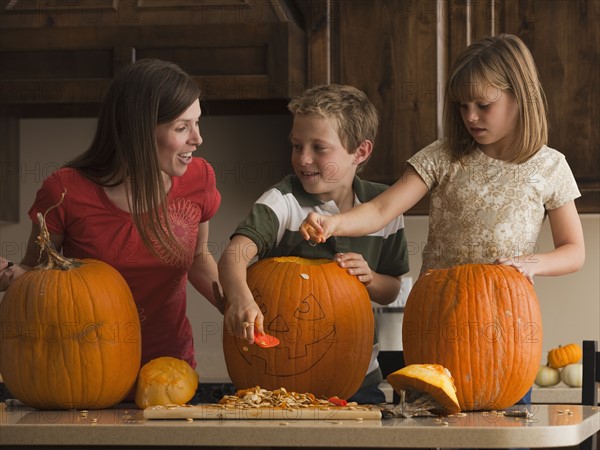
{"x": 483, "y": 323}
{"x": 323, "y": 319}
{"x": 70, "y": 335}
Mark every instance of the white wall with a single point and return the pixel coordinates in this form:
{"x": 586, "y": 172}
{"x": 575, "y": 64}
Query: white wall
{"x": 249, "y": 154}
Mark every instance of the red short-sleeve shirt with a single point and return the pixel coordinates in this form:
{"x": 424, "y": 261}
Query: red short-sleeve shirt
{"x": 95, "y": 228}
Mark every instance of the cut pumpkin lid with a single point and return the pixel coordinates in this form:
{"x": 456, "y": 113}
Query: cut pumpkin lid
{"x": 432, "y": 379}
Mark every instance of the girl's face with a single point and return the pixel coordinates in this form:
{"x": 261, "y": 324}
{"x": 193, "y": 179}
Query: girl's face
{"x": 320, "y": 161}
{"x": 177, "y": 140}
{"x": 492, "y": 120}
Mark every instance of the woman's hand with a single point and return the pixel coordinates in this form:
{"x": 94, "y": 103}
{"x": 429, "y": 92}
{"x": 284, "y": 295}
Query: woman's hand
{"x": 317, "y": 228}
{"x": 9, "y": 272}
{"x": 522, "y": 268}
{"x": 356, "y": 265}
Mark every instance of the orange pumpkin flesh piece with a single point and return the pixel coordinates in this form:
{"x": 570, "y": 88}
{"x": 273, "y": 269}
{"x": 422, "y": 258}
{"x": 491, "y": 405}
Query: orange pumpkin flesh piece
{"x": 431, "y": 379}
{"x": 265, "y": 340}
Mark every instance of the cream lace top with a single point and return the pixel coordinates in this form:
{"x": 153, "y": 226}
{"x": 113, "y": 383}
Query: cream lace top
{"x": 486, "y": 208}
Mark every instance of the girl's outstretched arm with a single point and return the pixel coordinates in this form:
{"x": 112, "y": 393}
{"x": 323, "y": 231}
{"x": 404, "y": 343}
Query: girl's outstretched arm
{"x": 370, "y": 216}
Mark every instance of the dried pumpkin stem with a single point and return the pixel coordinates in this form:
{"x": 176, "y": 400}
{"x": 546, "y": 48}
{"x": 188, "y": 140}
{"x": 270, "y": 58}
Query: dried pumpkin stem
{"x": 54, "y": 259}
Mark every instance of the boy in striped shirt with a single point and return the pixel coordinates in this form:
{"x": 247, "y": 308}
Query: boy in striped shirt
{"x": 332, "y": 138}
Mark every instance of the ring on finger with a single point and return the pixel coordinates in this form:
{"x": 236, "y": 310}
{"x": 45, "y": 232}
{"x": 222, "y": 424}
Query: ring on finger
{"x": 246, "y": 324}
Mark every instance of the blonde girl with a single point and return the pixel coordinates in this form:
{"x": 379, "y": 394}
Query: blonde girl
{"x": 492, "y": 179}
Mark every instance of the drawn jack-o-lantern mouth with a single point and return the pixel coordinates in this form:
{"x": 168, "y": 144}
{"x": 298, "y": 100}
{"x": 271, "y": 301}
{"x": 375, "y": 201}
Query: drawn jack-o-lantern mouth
{"x": 304, "y": 339}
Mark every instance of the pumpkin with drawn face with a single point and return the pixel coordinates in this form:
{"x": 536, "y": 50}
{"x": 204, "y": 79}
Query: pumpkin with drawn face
{"x": 322, "y": 317}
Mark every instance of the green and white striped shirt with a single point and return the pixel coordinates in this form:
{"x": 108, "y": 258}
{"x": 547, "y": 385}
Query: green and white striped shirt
{"x": 274, "y": 221}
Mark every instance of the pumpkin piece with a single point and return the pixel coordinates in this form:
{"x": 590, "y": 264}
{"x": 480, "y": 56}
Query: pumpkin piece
{"x": 547, "y": 376}
{"x": 71, "y": 334}
{"x": 323, "y": 320}
{"x": 483, "y": 323}
{"x": 572, "y": 375}
{"x": 432, "y": 379}
{"x": 564, "y": 355}
{"x": 264, "y": 340}
{"x": 165, "y": 381}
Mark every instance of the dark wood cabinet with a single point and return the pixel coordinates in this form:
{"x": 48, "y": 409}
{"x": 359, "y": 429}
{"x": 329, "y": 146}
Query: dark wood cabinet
{"x": 251, "y": 56}
{"x": 66, "y": 53}
{"x": 57, "y": 59}
{"x": 399, "y": 51}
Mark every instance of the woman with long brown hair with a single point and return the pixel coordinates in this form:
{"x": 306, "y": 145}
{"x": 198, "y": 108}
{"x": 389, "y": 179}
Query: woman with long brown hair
{"x": 137, "y": 200}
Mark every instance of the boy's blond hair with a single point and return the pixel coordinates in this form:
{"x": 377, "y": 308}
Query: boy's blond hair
{"x": 503, "y": 62}
{"x": 350, "y": 111}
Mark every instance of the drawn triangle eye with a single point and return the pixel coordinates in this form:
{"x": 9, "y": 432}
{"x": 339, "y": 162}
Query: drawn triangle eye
{"x": 278, "y": 324}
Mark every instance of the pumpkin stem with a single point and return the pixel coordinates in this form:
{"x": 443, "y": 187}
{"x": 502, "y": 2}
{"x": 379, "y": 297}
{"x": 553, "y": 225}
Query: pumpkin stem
{"x": 55, "y": 260}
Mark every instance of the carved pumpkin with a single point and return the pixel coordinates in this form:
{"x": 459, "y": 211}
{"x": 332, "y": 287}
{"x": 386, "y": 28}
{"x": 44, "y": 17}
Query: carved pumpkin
{"x": 323, "y": 319}
{"x": 70, "y": 334}
{"x": 483, "y": 323}
{"x": 564, "y": 355}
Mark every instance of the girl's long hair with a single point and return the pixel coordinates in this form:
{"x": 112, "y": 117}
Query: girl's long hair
{"x": 124, "y": 150}
{"x": 503, "y": 62}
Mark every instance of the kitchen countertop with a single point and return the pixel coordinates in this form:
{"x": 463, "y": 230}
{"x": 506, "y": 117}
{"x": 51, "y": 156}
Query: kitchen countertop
{"x": 548, "y": 426}
{"x": 559, "y": 394}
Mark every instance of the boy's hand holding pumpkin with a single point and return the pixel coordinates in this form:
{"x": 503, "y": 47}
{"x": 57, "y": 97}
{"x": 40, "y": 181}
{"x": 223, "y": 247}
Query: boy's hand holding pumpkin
{"x": 355, "y": 265}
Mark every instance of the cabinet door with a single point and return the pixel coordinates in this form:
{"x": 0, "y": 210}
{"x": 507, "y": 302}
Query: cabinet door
{"x": 387, "y": 48}
{"x": 564, "y": 37}
{"x": 398, "y": 52}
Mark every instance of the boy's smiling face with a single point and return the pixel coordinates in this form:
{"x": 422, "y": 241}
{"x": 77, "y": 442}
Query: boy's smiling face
{"x": 321, "y": 162}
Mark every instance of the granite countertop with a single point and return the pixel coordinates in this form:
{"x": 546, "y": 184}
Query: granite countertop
{"x": 548, "y": 425}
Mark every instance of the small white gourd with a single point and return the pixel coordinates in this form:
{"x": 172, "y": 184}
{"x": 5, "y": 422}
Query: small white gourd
{"x": 547, "y": 376}
{"x": 572, "y": 375}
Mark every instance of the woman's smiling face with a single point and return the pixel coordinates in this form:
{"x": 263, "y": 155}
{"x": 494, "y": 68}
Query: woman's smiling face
{"x": 177, "y": 140}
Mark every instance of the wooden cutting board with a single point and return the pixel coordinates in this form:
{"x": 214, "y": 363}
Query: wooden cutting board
{"x": 218, "y": 412}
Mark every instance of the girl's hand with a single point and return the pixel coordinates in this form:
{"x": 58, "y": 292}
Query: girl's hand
{"x": 355, "y": 265}
{"x": 317, "y": 228}
{"x": 242, "y": 317}
{"x": 517, "y": 265}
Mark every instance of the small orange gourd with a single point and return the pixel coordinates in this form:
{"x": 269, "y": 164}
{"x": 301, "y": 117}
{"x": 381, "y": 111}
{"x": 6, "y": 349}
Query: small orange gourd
{"x": 70, "y": 334}
{"x": 323, "y": 320}
{"x": 564, "y": 355}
